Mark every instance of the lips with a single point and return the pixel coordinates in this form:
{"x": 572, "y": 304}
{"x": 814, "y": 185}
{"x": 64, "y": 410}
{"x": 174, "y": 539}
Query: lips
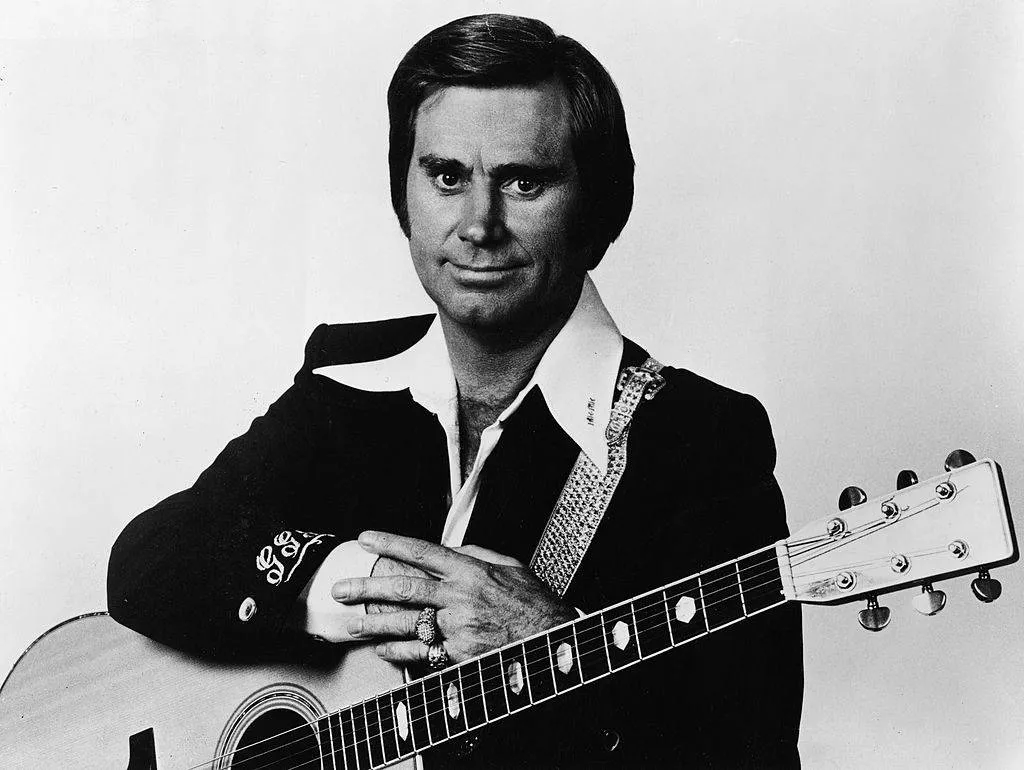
{"x": 482, "y": 275}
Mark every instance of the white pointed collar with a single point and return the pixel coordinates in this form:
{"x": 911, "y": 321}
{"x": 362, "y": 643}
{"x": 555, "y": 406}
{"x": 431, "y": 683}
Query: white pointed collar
{"x": 576, "y": 375}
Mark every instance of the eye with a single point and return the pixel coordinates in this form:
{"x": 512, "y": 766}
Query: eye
{"x": 526, "y": 187}
{"x": 447, "y": 181}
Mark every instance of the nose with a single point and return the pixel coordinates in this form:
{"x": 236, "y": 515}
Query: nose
{"x": 483, "y": 222}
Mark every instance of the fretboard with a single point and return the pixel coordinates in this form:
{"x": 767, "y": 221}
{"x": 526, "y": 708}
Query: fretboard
{"x": 477, "y": 692}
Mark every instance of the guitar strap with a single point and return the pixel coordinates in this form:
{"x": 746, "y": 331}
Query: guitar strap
{"x": 587, "y": 492}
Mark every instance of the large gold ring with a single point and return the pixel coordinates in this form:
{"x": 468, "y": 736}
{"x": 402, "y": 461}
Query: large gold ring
{"x": 426, "y": 626}
{"x": 437, "y": 657}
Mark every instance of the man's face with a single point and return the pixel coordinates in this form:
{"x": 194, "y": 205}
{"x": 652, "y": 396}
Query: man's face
{"x": 492, "y": 195}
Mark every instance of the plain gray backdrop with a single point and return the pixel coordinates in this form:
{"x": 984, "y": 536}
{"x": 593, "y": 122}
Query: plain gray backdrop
{"x": 828, "y": 215}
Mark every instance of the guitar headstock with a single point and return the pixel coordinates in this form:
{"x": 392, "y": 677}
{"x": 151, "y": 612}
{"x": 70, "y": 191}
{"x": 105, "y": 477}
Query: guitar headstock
{"x": 952, "y": 524}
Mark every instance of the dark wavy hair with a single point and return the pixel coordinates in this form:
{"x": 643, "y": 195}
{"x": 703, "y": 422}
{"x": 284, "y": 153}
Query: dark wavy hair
{"x": 493, "y": 50}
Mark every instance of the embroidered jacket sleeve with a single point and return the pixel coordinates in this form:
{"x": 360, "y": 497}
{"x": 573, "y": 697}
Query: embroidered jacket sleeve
{"x": 218, "y": 568}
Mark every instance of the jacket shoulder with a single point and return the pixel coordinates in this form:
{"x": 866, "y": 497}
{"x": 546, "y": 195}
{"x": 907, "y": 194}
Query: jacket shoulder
{"x": 354, "y": 343}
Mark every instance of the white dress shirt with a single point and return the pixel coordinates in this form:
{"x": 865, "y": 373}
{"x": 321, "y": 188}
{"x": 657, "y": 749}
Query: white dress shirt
{"x": 576, "y": 375}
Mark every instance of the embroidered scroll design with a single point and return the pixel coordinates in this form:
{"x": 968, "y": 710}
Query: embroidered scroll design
{"x": 279, "y": 560}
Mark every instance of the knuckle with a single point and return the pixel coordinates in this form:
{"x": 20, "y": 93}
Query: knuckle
{"x": 419, "y": 549}
{"x": 403, "y": 587}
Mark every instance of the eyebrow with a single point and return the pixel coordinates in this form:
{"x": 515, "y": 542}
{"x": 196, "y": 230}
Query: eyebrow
{"x": 550, "y": 172}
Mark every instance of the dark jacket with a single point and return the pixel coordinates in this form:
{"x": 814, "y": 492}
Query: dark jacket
{"x": 207, "y": 569}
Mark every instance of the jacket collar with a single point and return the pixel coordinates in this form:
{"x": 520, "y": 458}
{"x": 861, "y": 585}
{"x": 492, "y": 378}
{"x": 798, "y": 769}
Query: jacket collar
{"x": 576, "y": 375}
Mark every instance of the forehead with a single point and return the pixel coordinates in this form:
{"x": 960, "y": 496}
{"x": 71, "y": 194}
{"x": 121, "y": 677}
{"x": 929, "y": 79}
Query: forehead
{"x": 495, "y": 125}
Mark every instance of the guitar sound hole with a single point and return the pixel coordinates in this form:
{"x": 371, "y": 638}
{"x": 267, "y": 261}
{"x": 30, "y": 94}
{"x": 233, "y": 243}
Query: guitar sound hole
{"x": 280, "y": 739}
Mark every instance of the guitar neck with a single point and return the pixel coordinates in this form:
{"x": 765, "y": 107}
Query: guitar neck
{"x": 448, "y": 704}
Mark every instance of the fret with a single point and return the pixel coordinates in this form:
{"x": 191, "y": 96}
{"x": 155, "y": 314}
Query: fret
{"x": 668, "y": 618}
{"x": 337, "y": 742}
{"x": 513, "y": 669}
{"x": 402, "y": 712}
{"x": 620, "y": 636}
{"x": 653, "y": 631}
{"x": 590, "y": 647}
{"x": 722, "y": 604}
{"x": 470, "y": 675}
{"x": 739, "y": 585}
{"x": 359, "y": 735}
{"x": 539, "y": 672}
{"x": 565, "y": 666}
{"x": 686, "y": 609}
{"x": 703, "y": 605}
{"x": 762, "y": 584}
{"x": 454, "y": 704}
{"x": 494, "y": 686}
{"x": 375, "y": 741}
{"x": 434, "y": 695}
{"x": 348, "y": 737}
{"x": 323, "y": 734}
{"x": 418, "y": 717}
{"x": 389, "y": 735}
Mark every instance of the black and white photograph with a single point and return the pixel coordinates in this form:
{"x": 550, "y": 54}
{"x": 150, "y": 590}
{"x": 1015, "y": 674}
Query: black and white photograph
{"x": 493, "y": 384}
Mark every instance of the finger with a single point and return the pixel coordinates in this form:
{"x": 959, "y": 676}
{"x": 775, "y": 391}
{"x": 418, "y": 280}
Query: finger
{"x": 395, "y": 589}
{"x": 402, "y": 652}
{"x": 486, "y": 554}
{"x": 390, "y": 625}
{"x": 430, "y": 557}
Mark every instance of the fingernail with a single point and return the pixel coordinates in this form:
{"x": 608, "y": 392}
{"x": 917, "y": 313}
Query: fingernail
{"x": 367, "y": 537}
{"x": 340, "y": 590}
{"x": 381, "y": 650}
{"x": 355, "y": 627}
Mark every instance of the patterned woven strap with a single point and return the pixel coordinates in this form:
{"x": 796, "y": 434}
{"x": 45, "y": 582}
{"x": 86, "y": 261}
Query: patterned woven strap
{"x": 586, "y": 494}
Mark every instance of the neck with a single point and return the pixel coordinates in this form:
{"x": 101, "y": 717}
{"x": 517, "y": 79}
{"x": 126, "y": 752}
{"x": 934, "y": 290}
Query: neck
{"x": 492, "y": 365}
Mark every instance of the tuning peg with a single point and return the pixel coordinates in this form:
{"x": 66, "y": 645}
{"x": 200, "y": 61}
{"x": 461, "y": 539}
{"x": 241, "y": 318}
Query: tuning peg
{"x": 929, "y": 601}
{"x": 958, "y": 458}
{"x": 850, "y": 497}
{"x": 874, "y": 618}
{"x": 905, "y": 479}
{"x": 985, "y": 587}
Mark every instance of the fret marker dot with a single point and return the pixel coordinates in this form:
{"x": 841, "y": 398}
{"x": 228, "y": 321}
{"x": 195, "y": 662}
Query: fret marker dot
{"x": 454, "y": 708}
{"x": 515, "y": 677}
{"x": 563, "y": 656}
{"x": 686, "y": 608}
{"x": 620, "y": 635}
{"x": 402, "y": 720}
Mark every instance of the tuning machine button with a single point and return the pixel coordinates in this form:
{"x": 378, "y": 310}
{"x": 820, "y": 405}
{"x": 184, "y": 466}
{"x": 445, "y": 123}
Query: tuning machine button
{"x": 929, "y": 601}
{"x": 905, "y": 478}
{"x": 958, "y": 458}
{"x": 850, "y": 497}
{"x": 874, "y": 618}
{"x": 985, "y": 587}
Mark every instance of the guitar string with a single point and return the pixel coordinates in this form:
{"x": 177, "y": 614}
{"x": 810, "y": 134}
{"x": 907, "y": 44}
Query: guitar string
{"x": 431, "y": 704}
{"x": 423, "y": 722}
{"x": 431, "y": 712}
{"x": 820, "y": 544}
{"x": 868, "y": 529}
{"x": 870, "y": 562}
{"x": 770, "y": 560}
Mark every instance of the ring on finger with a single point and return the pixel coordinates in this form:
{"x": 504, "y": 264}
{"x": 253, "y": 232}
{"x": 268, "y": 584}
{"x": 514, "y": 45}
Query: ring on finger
{"x": 437, "y": 656}
{"x": 426, "y": 626}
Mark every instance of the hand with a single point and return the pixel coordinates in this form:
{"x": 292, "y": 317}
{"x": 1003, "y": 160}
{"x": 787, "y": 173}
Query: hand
{"x": 385, "y": 567}
{"x": 484, "y": 600}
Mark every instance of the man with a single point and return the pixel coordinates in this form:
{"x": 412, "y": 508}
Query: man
{"x": 415, "y": 462}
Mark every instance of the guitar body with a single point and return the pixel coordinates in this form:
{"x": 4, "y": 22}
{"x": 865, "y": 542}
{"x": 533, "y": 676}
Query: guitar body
{"x": 87, "y": 693}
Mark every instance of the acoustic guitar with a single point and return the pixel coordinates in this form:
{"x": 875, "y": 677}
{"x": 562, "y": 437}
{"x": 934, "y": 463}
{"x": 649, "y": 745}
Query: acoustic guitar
{"x": 92, "y": 694}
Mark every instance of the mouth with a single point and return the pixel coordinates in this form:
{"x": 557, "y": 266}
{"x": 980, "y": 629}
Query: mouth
{"x": 482, "y": 275}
